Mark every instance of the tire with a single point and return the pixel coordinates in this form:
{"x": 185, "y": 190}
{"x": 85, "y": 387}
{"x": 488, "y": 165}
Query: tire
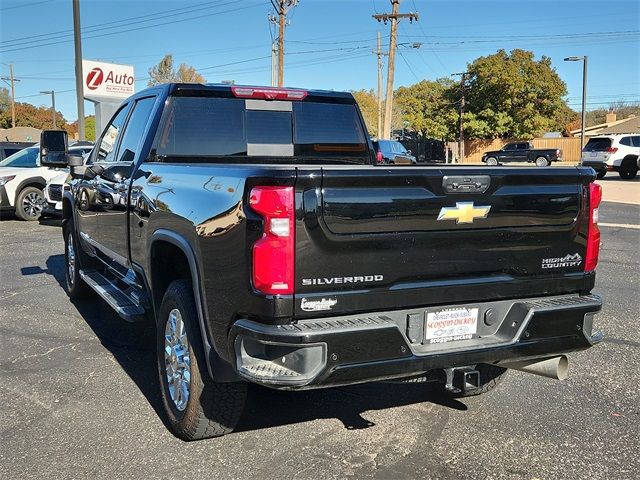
{"x": 196, "y": 407}
{"x": 492, "y": 161}
{"x": 601, "y": 174}
{"x": 628, "y": 169}
{"x": 76, "y": 287}
{"x": 29, "y": 203}
{"x": 490, "y": 378}
{"x": 542, "y": 162}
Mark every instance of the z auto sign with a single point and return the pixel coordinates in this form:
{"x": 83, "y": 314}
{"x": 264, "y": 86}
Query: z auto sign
{"x": 107, "y": 80}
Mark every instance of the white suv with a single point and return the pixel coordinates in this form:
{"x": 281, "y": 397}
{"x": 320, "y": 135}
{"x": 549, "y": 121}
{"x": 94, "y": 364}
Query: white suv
{"x": 618, "y": 153}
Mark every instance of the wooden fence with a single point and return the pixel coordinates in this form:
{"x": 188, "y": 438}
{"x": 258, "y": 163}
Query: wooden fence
{"x": 571, "y": 151}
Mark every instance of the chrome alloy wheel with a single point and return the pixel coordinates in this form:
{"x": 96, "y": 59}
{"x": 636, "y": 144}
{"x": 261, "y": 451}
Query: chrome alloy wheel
{"x": 177, "y": 362}
{"x": 32, "y": 204}
{"x": 71, "y": 259}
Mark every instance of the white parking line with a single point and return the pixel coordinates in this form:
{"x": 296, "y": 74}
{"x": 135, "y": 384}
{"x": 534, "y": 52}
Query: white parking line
{"x": 619, "y": 225}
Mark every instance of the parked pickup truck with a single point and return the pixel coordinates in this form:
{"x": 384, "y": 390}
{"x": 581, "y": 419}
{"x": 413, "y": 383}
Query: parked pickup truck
{"x": 522, "y": 152}
{"x": 253, "y": 227}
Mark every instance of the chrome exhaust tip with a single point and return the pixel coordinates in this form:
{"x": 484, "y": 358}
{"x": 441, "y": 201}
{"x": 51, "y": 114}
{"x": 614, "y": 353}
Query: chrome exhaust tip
{"x": 554, "y": 367}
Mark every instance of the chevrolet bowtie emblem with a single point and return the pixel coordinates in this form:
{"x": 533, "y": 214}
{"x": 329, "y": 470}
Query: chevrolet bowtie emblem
{"x": 463, "y": 212}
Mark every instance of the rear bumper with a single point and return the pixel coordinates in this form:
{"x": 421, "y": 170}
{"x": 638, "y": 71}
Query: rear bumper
{"x": 598, "y": 166}
{"x": 385, "y": 345}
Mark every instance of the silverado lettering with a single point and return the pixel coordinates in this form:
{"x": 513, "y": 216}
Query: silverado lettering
{"x": 339, "y": 280}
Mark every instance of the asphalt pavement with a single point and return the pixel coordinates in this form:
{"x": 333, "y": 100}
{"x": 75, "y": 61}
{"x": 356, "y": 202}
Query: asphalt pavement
{"x": 78, "y": 397}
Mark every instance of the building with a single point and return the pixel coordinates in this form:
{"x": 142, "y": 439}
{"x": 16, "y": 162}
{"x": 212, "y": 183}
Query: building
{"x": 20, "y": 134}
{"x": 625, "y": 125}
{"x": 629, "y": 125}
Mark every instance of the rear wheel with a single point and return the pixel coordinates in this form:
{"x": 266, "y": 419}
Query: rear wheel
{"x": 195, "y": 406}
{"x": 542, "y": 162}
{"x": 628, "y": 169}
{"x": 492, "y": 161}
{"x": 29, "y": 203}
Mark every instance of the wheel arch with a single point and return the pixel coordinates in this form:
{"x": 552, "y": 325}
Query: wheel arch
{"x": 67, "y": 205}
{"x": 169, "y": 242}
{"x": 37, "y": 182}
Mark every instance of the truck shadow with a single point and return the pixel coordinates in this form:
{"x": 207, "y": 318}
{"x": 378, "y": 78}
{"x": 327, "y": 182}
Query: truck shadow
{"x": 133, "y": 347}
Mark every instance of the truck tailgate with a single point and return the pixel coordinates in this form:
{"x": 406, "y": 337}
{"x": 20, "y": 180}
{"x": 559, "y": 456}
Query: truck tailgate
{"x": 370, "y": 238}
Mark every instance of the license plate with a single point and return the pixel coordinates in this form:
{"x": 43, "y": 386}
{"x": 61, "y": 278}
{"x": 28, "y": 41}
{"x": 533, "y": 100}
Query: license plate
{"x": 451, "y": 324}
{"x": 594, "y": 154}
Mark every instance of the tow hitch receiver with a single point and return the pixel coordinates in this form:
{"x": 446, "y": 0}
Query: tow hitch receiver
{"x": 466, "y": 379}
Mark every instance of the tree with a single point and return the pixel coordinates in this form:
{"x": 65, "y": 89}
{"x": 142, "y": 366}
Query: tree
{"x": 5, "y": 108}
{"x": 28, "y": 115}
{"x": 368, "y": 103}
{"x": 512, "y": 95}
{"x": 429, "y": 108}
{"x": 621, "y": 109}
{"x": 89, "y": 125}
{"x": 165, "y": 73}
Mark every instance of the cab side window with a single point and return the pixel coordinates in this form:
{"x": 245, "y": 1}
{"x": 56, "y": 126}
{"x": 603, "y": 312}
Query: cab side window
{"x": 510, "y": 147}
{"x": 109, "y": 140}
{"x": 135, "y": 129}
{"x": 635, "y": 140}
{"x": 626, "y": 141}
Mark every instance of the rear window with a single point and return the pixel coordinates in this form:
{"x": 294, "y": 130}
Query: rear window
{"x": 207, "y": 128}
{"x": 597, "y": 145}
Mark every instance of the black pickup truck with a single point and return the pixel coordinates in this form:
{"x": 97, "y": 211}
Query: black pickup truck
{"x": 252, "y": 226}
{"x": 523, "y": 152}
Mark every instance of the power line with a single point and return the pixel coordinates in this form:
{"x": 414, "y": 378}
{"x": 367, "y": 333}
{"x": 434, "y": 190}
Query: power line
{"x": 408, "y": 65}
{"x": 32, "y": 4}
{"x": 118, "y": 23}
{"x": 526, "y": 37}
{"x": 135, "y": 29}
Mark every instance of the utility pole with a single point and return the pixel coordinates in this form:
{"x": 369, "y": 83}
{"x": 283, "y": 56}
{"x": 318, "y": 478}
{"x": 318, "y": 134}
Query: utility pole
{"x": 461, "y": 121}
{"x": 274, "y": 49}
{"x": 11, "y": 79}
{"x": 379, "y": 54}
{"x": 53, "y": 105}
{"x": 78, "y": 60}
{"x": 13, "y": 97}
{"x": 394, "y": 16}
{"x": 282, "y": 7}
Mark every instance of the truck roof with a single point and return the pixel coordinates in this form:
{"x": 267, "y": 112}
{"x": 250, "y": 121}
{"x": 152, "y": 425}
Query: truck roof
{"x": 221, "y": 89}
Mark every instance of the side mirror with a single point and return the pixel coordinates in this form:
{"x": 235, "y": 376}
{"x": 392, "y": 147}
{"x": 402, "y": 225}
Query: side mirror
{"x": 409, "y": 152}
{"x": 53, "y": 148}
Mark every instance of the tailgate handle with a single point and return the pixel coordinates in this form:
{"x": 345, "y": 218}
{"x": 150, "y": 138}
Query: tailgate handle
{"x": 466, "y": 183}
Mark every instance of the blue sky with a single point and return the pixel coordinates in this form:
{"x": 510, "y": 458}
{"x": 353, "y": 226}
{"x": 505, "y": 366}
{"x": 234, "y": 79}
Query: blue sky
{"x": 329, "y": 42}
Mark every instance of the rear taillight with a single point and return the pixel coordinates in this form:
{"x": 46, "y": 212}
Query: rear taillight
{"x": 612, "y": 149}
{"x": 269, "y": 93}
{"x": 379, "y": 157}
{"x": 593, "y": 233}
{"x": 273, "y": 254}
